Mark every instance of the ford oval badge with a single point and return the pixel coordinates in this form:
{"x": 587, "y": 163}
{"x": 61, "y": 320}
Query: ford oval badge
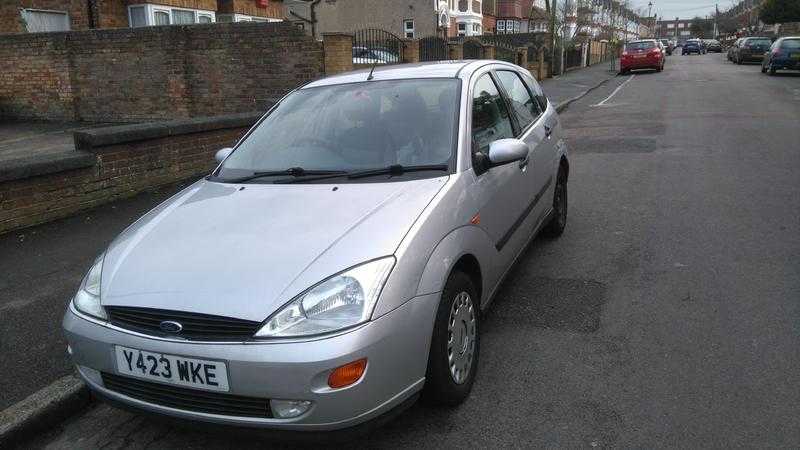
{"x": 170, "y": 326}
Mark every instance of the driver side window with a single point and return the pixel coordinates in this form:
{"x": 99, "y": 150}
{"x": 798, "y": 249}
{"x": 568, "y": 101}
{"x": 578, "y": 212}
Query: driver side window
{"x": 490, "y": 118}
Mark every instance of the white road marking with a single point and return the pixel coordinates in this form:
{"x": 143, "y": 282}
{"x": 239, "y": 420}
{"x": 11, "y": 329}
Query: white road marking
{"x": 615, "y": 91}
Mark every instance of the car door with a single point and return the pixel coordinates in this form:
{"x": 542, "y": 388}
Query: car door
{"x": 535, "y": 128}
{"x": 502, "y": 191}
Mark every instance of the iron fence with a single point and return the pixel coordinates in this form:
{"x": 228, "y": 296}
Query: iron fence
{"x": 433, "y": 48}
{"x": 473, "y": 49}
{"x": 376, "y": 46}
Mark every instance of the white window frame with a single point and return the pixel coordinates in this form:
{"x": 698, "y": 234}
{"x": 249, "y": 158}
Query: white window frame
{"x": 407, "y": 30}
{"x": 501, "y": 26}
{"x": 235, "y": 17}
{"x": 150, "y": 10}
{"x": 48, "y": 11}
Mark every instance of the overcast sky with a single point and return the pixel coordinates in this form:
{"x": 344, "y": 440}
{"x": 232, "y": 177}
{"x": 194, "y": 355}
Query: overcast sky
{"x": 685, "y": 9}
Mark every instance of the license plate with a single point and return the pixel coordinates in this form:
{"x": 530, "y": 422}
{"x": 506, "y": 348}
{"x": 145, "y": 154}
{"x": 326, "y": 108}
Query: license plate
{"x": 171, "y": 369}
{"x": 639, "y": 56}
{"x": 795, "y": 56}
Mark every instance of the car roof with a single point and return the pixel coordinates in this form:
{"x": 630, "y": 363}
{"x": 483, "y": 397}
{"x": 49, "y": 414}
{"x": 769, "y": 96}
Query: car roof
{"x": 433, "y": 69}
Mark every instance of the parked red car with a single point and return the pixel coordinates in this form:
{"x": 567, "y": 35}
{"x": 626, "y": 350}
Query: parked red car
{"x": 644, "y": 54}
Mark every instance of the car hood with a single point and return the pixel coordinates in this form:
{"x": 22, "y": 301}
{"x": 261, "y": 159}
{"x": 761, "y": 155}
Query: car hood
{"x": 244, "y": 250}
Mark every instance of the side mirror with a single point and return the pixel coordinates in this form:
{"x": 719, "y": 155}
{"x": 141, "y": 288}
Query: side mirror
{"x": 222, "y": 154}
{"x": 504, "y": 151}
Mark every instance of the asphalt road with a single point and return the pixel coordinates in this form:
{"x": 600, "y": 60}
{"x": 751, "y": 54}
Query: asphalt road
{"x": 42, "y": 267}
{"x": 666, "y": 316}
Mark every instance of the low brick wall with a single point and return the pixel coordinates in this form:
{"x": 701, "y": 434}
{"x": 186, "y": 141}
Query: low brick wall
{"x": 153, "y": 73}
{"x": 127, "y": 159}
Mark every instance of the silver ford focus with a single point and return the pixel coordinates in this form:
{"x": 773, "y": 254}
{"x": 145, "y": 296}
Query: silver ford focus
{"x": 336, "y": 262}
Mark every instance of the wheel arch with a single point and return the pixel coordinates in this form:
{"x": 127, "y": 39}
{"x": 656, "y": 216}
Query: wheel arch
{"x": 468, "y": 249}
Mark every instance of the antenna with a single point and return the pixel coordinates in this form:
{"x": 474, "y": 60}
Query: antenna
{"x": 369, "y": 77}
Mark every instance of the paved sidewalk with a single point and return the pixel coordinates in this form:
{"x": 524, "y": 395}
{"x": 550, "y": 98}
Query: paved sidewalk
{"x": 43, "y": 266}
{"x": 562, "y": 90}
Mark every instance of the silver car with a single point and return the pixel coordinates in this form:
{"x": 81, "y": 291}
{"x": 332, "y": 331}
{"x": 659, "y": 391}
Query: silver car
{"x": 336, "y": 262}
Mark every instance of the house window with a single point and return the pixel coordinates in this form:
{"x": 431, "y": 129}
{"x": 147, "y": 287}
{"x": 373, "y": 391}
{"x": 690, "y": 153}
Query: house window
{"x": 408, "y": 28}
{"x": 182, "y": 16}
{"x": 37, "y": 20}
{"x": 501, "y": 26}
{"x": 462, "y": 29}
{"x": 516, "y": 26}
{"x": 160, "y": 18}
{"x": 138, "y": 16}
{"x": 148, "y": 14}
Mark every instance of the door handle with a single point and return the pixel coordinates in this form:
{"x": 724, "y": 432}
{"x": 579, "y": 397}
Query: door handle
{"x": 524, "y": 163}
{"x": 548, "y": 131}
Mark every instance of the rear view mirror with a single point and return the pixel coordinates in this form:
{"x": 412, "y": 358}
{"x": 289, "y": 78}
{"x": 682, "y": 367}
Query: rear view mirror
{"x": 222, "y": 154}
{"x": 504, "y": 151}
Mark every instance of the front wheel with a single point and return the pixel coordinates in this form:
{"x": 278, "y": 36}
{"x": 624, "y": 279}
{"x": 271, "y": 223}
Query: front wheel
{"x": 558, "y": 222}
{"x": 455, "y": 344}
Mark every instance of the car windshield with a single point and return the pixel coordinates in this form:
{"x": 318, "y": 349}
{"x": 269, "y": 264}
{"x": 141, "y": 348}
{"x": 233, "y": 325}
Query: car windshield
{"x": 354, "y": 126}
{"x": 640, "y": 45}
{"x": 758, "y": 42}
{"x": 791, "y": 44}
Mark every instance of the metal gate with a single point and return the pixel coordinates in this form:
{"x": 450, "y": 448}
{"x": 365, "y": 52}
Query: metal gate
{"x": 504, "y": 53}
{"x": 572, "y": 58}
{"x": 473, "y": 49}
{"x": 433, "y": 48}
{"x": 376, "y": 46}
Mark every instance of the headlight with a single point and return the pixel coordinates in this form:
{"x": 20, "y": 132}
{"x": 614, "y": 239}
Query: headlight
{"x": 87, "y": 300}
{"x": 341, "y": 301}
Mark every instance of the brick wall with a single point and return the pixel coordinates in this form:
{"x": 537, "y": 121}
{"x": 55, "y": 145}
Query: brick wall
{"x": 154, "y": 73}
{"x": 352, "y": 15}
{"x": 128, "y": 160}
{"x": 251, "y": 8}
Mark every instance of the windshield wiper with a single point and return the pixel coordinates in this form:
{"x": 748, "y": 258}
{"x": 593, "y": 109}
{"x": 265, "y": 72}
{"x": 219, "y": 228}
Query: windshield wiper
{"x": 292, "y": 171}
{"x": 395, "y": 169}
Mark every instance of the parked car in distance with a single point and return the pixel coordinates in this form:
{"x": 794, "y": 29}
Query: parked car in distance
{"x": 691, "y": 46}
{"x": 336, "y": 262}
{"x": 667, "y": 46}
{"x": 784, "y": 54}
{"x": 713, "y": 45}
{"x": 733, "y": 48}
{"x": 643, "y": 54}
{"x": 364, "y": 55}
{"x": 751, "y": 49}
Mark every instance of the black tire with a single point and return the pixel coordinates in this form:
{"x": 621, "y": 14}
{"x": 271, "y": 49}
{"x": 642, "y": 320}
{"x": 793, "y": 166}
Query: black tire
{"x": 440, "y": 385}
{"x": 763, "y": 69}
{"x": 558, "y": 222}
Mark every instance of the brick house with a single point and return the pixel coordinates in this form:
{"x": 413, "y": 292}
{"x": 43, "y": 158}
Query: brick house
{"x": 404, "y": 18}
{"x": 514, "y": 16}
{"x": 19, "y": 16}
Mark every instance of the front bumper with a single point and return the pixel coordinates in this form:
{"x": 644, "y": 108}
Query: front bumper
{"x": 396, "y": 347}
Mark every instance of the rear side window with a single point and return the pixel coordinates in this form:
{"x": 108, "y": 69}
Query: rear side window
{"x": 524, "y": 105}
{"x": 490, "y": 118}
{"x": 758, "y": 42}
{"x": 792, "y": 44}
{"x": 640, "y": 45}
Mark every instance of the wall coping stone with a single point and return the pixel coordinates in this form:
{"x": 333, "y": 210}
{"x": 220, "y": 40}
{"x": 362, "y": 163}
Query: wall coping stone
{"x": 32, "y": 166}
{"x": 87, "y": 140}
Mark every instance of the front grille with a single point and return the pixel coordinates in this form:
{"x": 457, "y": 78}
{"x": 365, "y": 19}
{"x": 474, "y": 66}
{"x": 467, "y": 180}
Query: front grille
{"x": 196, "y": 327}
{"x": 188, "y": 399}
